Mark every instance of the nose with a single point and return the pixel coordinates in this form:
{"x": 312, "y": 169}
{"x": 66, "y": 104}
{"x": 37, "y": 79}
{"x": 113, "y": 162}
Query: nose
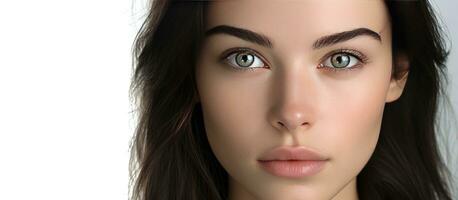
{"x": 293, "y": 100}
{"x": 290, "y": 120}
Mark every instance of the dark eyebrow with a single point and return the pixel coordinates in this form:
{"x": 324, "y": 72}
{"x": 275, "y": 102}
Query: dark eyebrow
{"x": 244, "y": 34}
{"x": 266, "y": 42}
{"x": 344, "y": 36}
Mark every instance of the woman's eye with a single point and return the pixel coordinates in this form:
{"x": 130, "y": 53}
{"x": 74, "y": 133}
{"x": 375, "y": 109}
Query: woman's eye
{"x": 244, "y": 60}
{"x": 342, "y": 61}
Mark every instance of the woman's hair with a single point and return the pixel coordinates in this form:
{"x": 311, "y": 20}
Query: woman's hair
{"x": 172, "y": 159}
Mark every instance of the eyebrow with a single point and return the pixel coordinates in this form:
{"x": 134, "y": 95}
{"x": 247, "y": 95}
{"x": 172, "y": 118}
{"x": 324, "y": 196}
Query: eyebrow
{"x": 241, "y": 33}
{"x": 263, "y": 40}
{"x": 345, "y": 36}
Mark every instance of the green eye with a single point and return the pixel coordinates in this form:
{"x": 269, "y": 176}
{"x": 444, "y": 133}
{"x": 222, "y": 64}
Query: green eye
{"x": 340, "y": 60}
{"x": 244, "y": 59}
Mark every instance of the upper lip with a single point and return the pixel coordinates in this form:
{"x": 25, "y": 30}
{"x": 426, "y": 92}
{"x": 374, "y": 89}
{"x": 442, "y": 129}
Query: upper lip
{"x": 292, "y": 153}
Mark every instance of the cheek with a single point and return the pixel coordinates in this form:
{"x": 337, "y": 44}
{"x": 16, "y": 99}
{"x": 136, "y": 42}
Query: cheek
{"x": 356, "y": 125}
{"x": 231, "y": 114}
{"x": 228, "y": 120}
{"x": 355, "y": 118}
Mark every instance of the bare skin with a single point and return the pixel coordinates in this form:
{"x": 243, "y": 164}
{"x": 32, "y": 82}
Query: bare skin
{"x": 288, "y": 100}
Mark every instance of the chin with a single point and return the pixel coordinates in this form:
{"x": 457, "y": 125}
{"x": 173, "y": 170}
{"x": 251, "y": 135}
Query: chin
{"x": 296, "y": 194}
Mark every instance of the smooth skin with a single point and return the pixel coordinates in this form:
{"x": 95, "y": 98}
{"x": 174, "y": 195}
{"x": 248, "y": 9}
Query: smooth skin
{"x": 291, "y": 101}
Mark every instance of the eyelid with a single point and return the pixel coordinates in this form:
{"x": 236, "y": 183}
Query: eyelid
{"x": 231, "y": 51}
{"x": 362, "y": 60}
{"x": 360, "y": 56}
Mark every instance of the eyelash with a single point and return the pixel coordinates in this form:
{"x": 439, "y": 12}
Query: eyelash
{"x": 229, "y": 52}
{"x": 362, "y": 59}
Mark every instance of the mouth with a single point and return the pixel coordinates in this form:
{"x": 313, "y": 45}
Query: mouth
{"x": 293, "y": 162}
{"x": 293, "y": 168}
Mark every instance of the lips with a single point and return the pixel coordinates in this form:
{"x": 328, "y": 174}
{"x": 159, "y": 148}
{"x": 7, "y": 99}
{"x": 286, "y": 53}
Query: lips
{"x": 292, "y": 153}
{"x": 293, "y": 162}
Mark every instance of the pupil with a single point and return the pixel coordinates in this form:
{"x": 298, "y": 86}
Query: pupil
{"x": 244, "y": 58}
{"x": 339, "y": 59}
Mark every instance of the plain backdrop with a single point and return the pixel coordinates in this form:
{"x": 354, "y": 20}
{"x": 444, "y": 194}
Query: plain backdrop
{"x": 446, "y": 11}
{"x": 65, "y": 115}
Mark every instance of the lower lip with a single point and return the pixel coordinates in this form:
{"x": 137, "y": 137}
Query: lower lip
{"x": 293, "y": 168}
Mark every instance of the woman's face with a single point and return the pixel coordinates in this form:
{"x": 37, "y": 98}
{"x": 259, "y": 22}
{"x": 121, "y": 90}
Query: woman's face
{"x": 303, "y": 89}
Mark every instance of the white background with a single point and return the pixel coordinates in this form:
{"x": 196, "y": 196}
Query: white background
{"x": 65, "y": 120}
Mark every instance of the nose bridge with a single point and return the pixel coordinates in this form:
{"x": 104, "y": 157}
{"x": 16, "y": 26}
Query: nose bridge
{"x": 293, "y": 96}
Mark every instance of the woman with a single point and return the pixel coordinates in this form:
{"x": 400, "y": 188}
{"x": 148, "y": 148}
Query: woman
{"x": 272, "y": 100}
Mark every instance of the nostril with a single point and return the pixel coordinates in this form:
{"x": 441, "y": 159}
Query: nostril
{"x": 282, "y": 124}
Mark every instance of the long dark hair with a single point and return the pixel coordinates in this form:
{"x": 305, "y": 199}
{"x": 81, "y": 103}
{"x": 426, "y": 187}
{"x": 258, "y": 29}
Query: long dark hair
{"x": 170, "y": 154}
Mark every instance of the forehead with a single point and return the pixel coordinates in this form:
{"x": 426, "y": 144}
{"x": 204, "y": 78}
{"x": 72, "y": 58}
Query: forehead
{"x": 298, "y": 19}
